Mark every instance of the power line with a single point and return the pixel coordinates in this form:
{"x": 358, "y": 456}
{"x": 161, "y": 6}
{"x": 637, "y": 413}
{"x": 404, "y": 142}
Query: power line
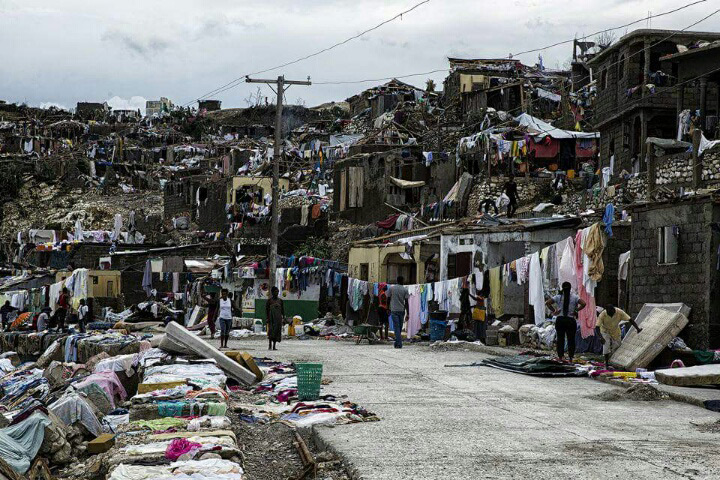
{"x": 348, "y": 82}
{"x": 241, "y": 79}
{"x": 657, "y": 43}
{"x": 644, "y": 19}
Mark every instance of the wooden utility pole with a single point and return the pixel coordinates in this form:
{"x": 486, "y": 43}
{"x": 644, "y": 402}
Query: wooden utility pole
{"x": 275, "y": 207}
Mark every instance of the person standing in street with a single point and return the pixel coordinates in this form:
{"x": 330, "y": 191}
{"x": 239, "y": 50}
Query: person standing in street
{"x": 63, "y": 305}
{"x": 398, "y": 308}
{"x": 383, "y": 312}
{"x": 511, "y": 190}
{"x": 466, "y": 319}
{"x": 225, "y": 318}
{"x": 566, "y": 307}
{"x": 83, "y": 315}
{"x": 275, "y": 313}
{"x": 608, "y": 324}
{"x": 212, "y": 306}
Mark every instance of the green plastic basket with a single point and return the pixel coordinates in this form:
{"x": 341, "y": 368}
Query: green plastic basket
{"x": 309, "y": 378}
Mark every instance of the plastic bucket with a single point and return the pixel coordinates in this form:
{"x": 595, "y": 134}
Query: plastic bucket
{"x": 309, "y": 380}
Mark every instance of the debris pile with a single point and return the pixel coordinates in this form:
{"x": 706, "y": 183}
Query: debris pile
{"x": 639, "y": 392}
{"x": 114, "y": 405}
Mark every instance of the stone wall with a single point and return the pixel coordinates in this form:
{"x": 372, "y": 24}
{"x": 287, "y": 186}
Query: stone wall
{"x": 676, "y": 170}
{"x": 529, "y": 192}
{"x": 688, "y": 280}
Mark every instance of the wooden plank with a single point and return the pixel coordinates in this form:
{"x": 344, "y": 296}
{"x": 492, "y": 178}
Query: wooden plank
{"x": 203, "y": 349}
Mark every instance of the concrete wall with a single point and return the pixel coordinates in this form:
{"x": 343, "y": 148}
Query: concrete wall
{"x": 257, "y": 183}
{"x": 691, "y": 279}
{"x": 378, "y": 257}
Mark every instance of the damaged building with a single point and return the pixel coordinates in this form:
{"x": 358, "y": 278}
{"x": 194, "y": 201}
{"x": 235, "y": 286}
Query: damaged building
{"x": 636, "y": 94}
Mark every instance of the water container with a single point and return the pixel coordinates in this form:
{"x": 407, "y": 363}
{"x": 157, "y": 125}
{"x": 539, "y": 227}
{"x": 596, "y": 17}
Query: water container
{"x": 258, "y": 326}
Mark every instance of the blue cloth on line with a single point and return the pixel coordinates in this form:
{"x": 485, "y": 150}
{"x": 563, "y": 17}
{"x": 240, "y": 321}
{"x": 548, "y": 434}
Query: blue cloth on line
{"x": 608, "y": 218}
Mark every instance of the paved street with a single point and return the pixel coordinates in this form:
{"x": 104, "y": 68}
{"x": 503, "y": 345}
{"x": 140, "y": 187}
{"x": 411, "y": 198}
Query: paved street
{"x": 477, "y": 422}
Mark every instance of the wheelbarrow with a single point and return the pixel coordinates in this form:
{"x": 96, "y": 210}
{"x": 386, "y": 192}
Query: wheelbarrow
{"x": 366, "y": 332}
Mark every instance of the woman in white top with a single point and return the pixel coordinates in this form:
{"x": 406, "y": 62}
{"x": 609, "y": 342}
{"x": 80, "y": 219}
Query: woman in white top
{"x": 225, "y": 318}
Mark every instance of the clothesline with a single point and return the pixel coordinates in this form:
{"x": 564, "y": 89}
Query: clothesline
{"x": 577, "y": 260}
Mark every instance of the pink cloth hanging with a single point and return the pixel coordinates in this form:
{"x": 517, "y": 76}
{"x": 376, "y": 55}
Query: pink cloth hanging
{"x": 414, "y": 324}
{"x": 587, "y": 317}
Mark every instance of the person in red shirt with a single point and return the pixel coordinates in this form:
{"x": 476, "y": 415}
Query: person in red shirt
{"x": 63, "y": 305}
{"x": 212, "y": 309}
{"x": 383, "y": 312}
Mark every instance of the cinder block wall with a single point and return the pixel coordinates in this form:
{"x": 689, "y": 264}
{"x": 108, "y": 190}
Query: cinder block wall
{"x": 689, "y": 280}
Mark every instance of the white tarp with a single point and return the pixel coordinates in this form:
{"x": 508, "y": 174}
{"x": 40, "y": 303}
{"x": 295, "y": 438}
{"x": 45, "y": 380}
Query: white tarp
{"x": 407, "y": 183}
{"x": 549, "y": 95}
{"x": 706, "y": 144}
{"x": 543, "y": 129}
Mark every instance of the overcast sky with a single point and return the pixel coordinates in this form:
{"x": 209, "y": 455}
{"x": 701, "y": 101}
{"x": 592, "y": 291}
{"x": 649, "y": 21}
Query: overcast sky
{"x": 62, "y": 52}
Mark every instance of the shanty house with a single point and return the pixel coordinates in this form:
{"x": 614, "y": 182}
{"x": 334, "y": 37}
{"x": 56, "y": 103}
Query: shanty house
{"x": 158, "y": 108}
{"x": 476, "y": 84}
{"x": 413, "y": 254}
{"x": 483, "y": 244}
{"x": 698, "y": 68}
{"x": 209, "y": 105}
{"x": 383, "y": 98}
{"x": 366, "y": 183}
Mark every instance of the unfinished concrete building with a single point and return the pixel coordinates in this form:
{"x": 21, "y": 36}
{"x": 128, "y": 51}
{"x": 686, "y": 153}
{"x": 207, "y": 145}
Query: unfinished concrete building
{"x": 637, "y": 94}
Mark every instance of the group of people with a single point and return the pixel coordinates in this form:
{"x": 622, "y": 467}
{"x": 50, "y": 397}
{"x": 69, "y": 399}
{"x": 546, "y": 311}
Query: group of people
{"x": 566, "y": 306}
{"x": 393, "y": 311}
{"x": 220, "y": 313}
{"x": 46, "y": 319}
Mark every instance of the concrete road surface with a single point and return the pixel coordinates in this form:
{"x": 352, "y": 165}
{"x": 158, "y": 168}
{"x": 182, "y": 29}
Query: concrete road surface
{"x": 478, "y": 422}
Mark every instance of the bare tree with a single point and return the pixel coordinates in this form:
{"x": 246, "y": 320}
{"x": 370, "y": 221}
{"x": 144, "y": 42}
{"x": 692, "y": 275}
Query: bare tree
{"x": 255, "y": 99}
{"x": 605, "y": 39}
{"x": 430, "y": 85}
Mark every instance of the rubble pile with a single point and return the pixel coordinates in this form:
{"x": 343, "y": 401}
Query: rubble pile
{"x": 40, "y": 205}
{"x": 640, "y": 392}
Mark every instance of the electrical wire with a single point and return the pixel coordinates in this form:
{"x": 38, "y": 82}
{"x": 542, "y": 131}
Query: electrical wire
{"x": 564, "y": 42}
{"x": 349, "y": 82}
{"x": 674, "y": 33}
{"x": 241, "y": 79}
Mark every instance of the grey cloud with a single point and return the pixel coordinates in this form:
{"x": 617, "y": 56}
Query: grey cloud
{"x": 392, "y": 43}
{"x": 136, "y": 44}
{"x": 222, "y": 26}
